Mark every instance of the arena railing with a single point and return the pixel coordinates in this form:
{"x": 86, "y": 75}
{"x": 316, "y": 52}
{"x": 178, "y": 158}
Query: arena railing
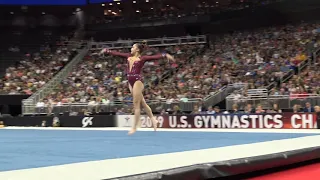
{"x": 156, "y": 106}
{"x": 283, "y": 101}
{"x": 315, "y": 55}
{"x": 156, "y": 42}
{"x": 222, "y": 93}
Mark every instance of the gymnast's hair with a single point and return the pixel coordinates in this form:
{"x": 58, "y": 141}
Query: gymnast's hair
{"x": 142, "y": 47}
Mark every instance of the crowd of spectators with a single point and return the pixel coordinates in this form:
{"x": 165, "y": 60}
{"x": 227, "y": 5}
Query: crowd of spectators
{"x": 102, "y": 79}
{"x": 257, "y": 58}
{"x": 199, "y": 108}
{"x": 301, "y": 89}
{"x": 305, "y": 107}
{"x": 303, "y": 84}
{"x": 300, "y": 86}
{"x": 35, "y": 69}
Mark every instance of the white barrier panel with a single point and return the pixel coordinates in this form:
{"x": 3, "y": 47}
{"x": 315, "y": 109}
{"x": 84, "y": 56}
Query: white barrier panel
{"x": 244, "y": 121}
{"x": 127, "y": 121}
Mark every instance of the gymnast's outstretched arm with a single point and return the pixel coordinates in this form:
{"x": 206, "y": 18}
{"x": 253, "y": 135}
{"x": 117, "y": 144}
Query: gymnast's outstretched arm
{"x": 158, "y": 56}
{"x": 115, "y": 53}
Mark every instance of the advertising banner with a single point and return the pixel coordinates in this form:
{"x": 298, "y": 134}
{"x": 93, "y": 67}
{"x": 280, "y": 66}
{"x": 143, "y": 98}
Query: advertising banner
{"x": 63, "y": 121}
{"x": 267, "y": 121}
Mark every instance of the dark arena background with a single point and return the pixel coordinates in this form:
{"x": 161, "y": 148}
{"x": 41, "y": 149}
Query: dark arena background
{"x": 241, "y": 100}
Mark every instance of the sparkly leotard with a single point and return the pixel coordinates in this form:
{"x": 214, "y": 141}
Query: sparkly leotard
{"x": 134, "y": 74}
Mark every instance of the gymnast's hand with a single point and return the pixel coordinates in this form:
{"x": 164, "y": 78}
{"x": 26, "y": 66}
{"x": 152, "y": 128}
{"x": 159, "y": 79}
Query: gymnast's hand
{"x": 104, "y": 50}
{"x": 170, "y": 58}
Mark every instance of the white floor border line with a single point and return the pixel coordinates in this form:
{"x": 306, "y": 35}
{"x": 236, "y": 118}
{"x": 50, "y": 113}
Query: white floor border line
{"x": 97, "y": 170}
{"x": 296, "y": 131}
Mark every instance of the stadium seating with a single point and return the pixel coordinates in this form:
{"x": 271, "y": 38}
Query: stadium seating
{"x": 261, "y": 59}
{"x": 104, "y": 77}
{"x": 31, "y": 58}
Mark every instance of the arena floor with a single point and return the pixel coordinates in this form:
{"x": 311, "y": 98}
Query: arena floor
{"x": 102, "y": 153}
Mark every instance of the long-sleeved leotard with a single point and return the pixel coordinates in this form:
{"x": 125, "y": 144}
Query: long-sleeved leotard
{"x": 134, "y": 74}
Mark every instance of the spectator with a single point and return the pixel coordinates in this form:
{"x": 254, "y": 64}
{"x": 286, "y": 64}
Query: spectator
{"x": 93, "y": 105}
{"x": 249, "y": 109}
{"x": 308, "y": 108}
{"x": 275, "y": 109}
{"x": 176, "y": 110}
{"x": 217, "y": 110}
{"x": 259, "y": 109}
{"x": 235, "y": 109}
{"x": 202, "y": 107}
{"x": 210, "y": 110}
{"x": 195, "y": 110}
{"x": 296, "y": 108}
{"x": 121, "y": 111}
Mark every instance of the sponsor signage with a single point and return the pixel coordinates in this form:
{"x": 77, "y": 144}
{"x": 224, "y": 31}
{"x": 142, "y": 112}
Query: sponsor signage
{"x": 268, "y": 121}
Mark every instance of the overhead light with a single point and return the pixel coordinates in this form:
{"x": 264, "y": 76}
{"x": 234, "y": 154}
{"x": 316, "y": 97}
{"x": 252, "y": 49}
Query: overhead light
{"x": 105, "y": 13}
{"x": 78, "y": 9}
{"x": 147, "y": 0}
{"x": 114, "y": 13}
{"x": 118, "y": 3}
{"x": 167, "y": 5}
{"x": 110, "y": 4}
{"x": 120, "y": 11}
{"x": 217, "y": 2}
{"x": 43, "y": 13}
{"x": 11, "y": 12}
{"x": 102, "y": 4}
{"x": 137, "y": 11}
{"x": 151, "y": 8}
{"x": 134, "y": 2}
{"x": 109, "y": 10}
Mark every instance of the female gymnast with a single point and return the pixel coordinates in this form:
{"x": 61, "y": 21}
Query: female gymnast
{"x": 135, "y": 62}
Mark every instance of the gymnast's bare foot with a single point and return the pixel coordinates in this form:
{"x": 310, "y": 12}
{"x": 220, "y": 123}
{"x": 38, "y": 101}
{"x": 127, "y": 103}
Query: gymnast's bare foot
{"x": 132, "y": 131}
{"x": 155, "y": 123}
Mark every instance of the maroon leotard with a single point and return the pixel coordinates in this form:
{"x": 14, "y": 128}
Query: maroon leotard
{"x": 134, "y": 74}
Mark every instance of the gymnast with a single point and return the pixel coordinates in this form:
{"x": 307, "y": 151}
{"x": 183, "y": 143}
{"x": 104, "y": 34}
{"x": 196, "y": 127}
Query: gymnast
{"x": 135, "y": 62}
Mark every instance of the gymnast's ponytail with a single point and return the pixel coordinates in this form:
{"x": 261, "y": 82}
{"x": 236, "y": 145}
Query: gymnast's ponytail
{"x": 143, "y": 47}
